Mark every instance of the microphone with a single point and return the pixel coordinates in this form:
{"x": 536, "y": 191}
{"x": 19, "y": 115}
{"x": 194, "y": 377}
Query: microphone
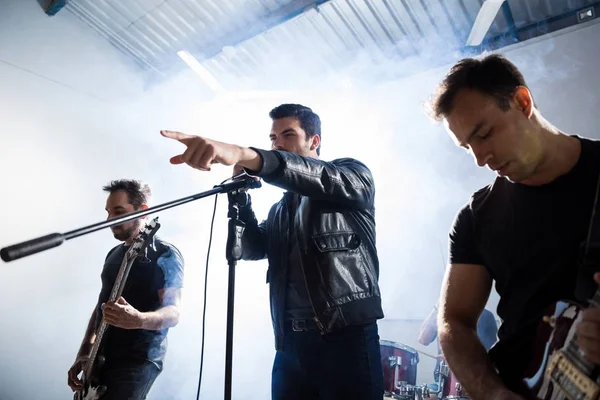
{"x": 240, "y": 196}
{"x": 252, "y": 182}
{"x": 238, "y": 176}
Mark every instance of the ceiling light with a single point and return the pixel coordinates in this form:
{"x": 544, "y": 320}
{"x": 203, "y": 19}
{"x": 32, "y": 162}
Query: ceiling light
{"x": 199, "y": 69}
{"x": 484, "y": 21}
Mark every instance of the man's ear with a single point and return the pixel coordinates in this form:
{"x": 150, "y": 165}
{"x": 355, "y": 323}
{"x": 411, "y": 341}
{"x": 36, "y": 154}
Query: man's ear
{"x": 315, "y": 142}
{"x": 143, "y": 207}
{"x": 524, "y": 101}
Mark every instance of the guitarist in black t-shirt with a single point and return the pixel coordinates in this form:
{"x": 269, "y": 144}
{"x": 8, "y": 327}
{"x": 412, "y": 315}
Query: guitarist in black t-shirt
{"x": 522, "y": 232}
{"x": 134, "y": 344}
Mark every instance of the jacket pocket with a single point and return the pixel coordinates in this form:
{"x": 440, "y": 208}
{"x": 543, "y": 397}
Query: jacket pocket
{"x": 340, "y": 265}
{"x": 336, "y": 241}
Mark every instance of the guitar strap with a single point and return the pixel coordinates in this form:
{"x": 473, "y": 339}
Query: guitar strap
{"x": 589, "y": 254}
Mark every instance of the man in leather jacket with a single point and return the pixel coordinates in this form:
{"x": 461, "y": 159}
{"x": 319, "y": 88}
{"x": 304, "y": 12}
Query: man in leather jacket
{"x": 323, "y": 271}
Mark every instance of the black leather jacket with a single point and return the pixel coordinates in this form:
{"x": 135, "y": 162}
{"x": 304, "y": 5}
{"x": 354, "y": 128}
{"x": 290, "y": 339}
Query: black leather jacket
{"x": 335, "y": 227}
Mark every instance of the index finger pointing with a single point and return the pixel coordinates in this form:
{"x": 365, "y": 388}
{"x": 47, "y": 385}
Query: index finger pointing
{"x": 180, "y": 136}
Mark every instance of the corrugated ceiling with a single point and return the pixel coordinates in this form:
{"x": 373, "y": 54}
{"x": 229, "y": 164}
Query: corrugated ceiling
{"x": 236, "y": 38}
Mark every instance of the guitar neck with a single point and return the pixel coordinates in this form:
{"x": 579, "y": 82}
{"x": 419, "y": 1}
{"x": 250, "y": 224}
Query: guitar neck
{"x": 121, "y": 278}
{"x": 95, "y": 348}
{"x": 115, "y": 293}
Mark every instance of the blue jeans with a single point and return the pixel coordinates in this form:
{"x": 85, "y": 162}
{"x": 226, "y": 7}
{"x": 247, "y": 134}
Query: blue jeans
{"x": 127, "y": 379}
{"x": 344, "y": 365}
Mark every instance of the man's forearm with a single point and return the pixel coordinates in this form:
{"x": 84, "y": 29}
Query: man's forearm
{"x": 254, "y": 239}
{"x": 166, "y": 317}
{"x": 469, "y": 361}
{"x": 89, "y": 337}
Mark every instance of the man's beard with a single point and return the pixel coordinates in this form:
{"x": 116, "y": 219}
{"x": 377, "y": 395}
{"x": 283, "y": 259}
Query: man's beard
{"x": 125, "y": 234}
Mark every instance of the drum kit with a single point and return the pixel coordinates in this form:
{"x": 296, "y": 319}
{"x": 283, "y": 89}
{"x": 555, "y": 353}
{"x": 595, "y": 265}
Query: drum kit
{"x": 399, "y": 364}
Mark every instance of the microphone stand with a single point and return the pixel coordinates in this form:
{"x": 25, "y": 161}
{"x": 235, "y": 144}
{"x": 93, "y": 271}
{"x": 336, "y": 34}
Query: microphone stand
{"x": 233, "y": 254}
{"x": 46, "y": 242}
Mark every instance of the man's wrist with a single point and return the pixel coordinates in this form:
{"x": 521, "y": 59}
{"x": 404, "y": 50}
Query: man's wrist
{"x": 143, "y": 321}
{"x": 250, "y": 159}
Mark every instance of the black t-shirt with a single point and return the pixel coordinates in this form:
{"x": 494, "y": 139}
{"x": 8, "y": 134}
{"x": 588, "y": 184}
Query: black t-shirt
{"x": 161, "y": 267}
{"x": 528, "y": 238}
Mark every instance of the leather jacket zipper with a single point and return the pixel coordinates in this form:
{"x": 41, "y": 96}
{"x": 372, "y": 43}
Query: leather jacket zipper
{"x": 302, "y": 243}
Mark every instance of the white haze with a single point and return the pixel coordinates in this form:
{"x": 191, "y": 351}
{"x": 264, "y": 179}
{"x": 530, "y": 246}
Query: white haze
{"x": 61, "y": 142}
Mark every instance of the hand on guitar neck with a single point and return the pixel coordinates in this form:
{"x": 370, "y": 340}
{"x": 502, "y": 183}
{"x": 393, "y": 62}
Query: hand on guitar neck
{"x": 568, "y": 366}
{"x": 588, "y": 331}
{"x": 122, "y": 315}
{"x": 78, "y": 366}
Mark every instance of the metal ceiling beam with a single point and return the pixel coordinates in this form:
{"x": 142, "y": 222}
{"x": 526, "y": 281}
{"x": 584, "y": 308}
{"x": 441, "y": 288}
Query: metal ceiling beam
{"x": 510, "y": 21}
{"x": 51, "y": 7}
{"x": 535, "y": 29}
{"x": 540, "y": 28}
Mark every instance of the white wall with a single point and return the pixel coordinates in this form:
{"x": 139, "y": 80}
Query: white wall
{"x": 61, "y": 142}
{"x": 86, "y": 120}
{"x": 64, "y": 135}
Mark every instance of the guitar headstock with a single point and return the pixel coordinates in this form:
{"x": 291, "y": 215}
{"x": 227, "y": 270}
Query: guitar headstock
{"x": 143, "y": 238}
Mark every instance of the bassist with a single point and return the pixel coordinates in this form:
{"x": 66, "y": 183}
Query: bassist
{"x": 134, "y": 344}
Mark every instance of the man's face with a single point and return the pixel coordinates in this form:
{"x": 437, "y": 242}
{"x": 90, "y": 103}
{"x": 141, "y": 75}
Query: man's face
{"x": 286, "y": 134}
{"x": 505, "y": 141}
{"x": 117, "y": 204}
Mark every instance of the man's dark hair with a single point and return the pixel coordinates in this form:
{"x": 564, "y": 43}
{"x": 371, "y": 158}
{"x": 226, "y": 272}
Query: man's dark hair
{"x": 309, "y": 121}
{"x": 138, "y": 192}
{"x": 492, "y": 75}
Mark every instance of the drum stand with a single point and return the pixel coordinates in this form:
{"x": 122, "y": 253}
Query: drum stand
{"x": 403, "y": 389}
{"x": 444, "y": 378}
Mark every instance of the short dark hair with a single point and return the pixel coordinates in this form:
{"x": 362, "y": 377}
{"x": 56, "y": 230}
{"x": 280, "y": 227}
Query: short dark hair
{"x": 309, "y": 121}
{"x": 138, "y": 192}
{"x": 492, "y": 75}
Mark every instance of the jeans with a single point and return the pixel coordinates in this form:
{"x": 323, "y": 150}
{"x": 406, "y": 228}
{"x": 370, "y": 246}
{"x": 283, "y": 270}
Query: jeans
{"x": 344, "y": 365}
{"x": 127, "y": 379}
